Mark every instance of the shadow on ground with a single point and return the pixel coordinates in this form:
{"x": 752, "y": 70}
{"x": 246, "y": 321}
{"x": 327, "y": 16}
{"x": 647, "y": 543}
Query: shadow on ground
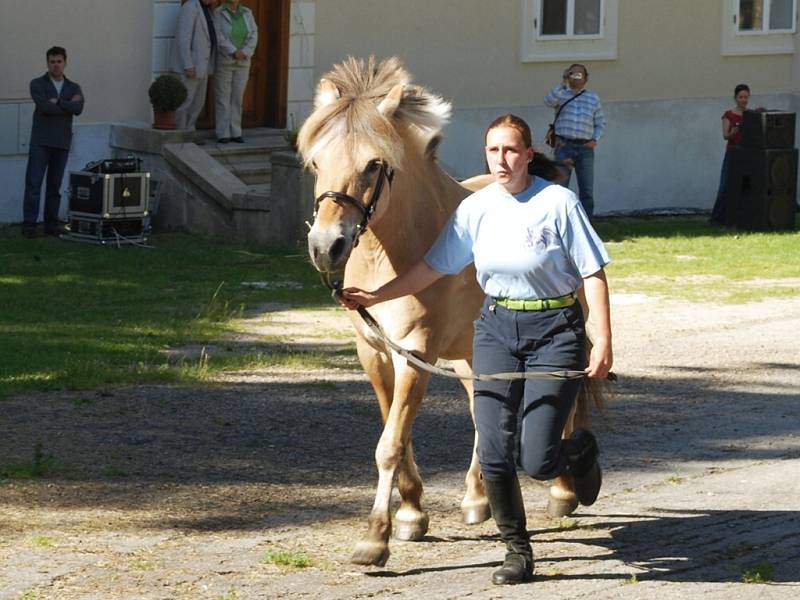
{"x": 104, "y": 447}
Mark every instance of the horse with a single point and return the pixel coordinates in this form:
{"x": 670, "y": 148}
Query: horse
{"x": 381, "y": 200}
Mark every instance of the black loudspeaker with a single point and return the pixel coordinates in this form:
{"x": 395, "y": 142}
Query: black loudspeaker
{"x": 761, "y": 188}
{"x": 768, "y": 129}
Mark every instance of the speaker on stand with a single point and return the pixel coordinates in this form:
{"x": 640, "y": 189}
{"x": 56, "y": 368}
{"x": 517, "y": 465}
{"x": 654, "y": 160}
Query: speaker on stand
{"x": 762, "y": 174}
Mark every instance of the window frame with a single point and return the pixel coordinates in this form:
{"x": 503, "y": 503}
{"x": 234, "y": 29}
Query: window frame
{"x": 537, "y": 26}
{"x": 737, "y": 42}
{"x": 768, "y": 30}
{"x": 536, "y": 47}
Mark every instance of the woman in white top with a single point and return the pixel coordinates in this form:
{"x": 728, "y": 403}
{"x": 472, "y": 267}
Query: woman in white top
{"x": 237, "y": 38}
{"x": 533, "y": 248}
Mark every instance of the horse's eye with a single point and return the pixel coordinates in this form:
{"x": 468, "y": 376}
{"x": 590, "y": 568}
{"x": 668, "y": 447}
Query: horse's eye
{"x": 314, "y": 165}
{"x": 374, "y": 165}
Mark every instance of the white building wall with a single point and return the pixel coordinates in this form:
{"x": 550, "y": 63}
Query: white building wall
{"x": 656, "y": 154}
{"x": 301, "y": 62}
{"x": 165, "y": 21}
{"x": 663, "y": 92}
{"x": 106, "y": 55}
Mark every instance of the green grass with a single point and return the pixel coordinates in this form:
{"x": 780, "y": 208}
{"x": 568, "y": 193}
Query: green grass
{"x": 79, "y": 316}
{"x": 283, "y": 558}
{"x": 763, "y": 572}
{"x": 42, "y": 541}
{"x": 685, "y": 258}
{"x": 43, "y": 464}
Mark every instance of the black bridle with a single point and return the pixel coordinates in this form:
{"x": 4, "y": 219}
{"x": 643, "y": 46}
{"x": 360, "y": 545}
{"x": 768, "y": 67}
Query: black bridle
{"x": 385, "y": 173}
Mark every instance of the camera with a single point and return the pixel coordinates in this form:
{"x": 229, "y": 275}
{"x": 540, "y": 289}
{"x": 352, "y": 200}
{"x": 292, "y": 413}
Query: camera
{"x": 576, "y": 75}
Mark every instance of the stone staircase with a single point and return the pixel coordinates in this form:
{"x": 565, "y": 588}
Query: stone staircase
{"x": 255, "y": 191}
{"x": 250, "y": 162}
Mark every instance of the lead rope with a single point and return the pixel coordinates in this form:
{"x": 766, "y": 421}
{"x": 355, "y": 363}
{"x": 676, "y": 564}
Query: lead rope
{"x": 336, "y": 293}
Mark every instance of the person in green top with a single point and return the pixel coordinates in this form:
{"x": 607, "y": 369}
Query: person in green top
{"x": 237, "y": 38}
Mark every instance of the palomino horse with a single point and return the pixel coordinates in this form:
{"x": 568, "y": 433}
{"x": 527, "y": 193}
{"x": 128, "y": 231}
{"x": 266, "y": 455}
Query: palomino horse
{"x": 381, "y": 201}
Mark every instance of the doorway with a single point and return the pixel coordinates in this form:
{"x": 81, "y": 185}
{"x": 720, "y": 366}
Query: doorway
{"x": 265, "y": 97}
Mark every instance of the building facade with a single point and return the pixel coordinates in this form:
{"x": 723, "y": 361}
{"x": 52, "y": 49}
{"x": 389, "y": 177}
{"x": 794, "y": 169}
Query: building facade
{"x": 664, "y": 70}
{"x": 115, "y": 49}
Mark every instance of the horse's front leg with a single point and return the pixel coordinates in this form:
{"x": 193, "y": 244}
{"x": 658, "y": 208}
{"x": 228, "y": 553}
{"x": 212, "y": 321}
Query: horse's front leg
{"x": 475, "y": 506}
{"x": 394, "y": 456}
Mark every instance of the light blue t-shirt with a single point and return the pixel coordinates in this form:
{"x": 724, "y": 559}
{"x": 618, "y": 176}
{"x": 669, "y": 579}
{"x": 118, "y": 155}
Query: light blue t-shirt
{"x": 535, "y": 244}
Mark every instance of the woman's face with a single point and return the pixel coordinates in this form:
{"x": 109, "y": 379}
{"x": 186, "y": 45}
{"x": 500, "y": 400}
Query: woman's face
{"x": 742, "y": 98}
{"x": 508, "y": 158}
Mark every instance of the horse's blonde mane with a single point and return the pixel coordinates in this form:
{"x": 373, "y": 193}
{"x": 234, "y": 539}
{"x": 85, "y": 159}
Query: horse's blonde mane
{"x": 346, "y": 111}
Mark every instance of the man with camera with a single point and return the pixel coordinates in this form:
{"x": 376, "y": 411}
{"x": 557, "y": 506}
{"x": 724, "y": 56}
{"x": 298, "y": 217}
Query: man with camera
{"x": 578, "y": 127}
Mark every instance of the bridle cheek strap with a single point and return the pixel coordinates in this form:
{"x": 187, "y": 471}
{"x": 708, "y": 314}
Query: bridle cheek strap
{"x": 385, "y": 173}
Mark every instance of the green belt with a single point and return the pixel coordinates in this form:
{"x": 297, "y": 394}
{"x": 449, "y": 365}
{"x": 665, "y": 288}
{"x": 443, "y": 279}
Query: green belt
{"x": 543, "y": 304}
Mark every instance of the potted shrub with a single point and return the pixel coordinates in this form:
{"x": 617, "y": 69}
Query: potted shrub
{"x": 166, "y": 93}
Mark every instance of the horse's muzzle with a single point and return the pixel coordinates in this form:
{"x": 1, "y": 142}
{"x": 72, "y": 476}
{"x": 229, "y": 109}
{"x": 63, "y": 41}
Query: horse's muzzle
{"x": 328, "y": 250}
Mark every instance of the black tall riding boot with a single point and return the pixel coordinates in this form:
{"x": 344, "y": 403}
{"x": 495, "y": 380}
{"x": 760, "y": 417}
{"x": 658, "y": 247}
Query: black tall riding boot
{"x": 508, "y": 511}
{"x": 582, "y": 451}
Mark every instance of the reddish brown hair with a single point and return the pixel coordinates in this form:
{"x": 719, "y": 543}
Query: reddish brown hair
{"x": 514, "y": 122}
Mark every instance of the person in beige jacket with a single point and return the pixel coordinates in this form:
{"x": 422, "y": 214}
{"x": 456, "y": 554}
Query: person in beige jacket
{"x": 237, "y": 35}
{"x": 193, "y": 57}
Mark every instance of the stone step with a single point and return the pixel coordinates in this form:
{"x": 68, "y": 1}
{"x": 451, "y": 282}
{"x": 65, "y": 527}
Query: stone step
{"x": 262, "y": 189}
{"x": 254, "y": 175}
{"x": 250, "y": 171}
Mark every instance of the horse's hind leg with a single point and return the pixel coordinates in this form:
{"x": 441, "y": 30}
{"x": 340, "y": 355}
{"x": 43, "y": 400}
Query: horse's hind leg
{"x": 563, "y": 501}
{"x": 475, "y": 506}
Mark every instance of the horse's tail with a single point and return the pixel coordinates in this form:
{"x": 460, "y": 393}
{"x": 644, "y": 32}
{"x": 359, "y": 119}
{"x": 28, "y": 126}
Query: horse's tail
{"x": 592, "y": 393}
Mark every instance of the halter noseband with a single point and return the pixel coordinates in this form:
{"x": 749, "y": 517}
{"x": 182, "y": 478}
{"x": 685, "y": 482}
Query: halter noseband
{"x": 386, "y": 172}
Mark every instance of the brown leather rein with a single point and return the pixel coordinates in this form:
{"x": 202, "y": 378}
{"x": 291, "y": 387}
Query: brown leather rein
{"x": 418, "y": 361}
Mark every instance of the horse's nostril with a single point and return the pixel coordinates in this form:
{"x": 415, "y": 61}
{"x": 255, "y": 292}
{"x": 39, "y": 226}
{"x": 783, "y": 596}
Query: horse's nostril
{"x": 337, "y": 248}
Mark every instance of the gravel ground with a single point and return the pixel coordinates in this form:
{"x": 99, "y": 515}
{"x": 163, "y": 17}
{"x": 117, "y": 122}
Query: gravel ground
{"x": 180, "y": 492}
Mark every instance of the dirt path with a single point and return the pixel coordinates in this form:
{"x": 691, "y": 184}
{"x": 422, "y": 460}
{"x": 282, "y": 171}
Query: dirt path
{"x": 181, "y": 492}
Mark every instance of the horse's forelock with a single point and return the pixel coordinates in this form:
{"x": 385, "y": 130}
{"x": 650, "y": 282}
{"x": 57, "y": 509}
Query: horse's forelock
{"x": 353, "y": 115}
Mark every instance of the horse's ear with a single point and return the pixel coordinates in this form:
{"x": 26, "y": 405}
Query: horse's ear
{"x": 433, "y": 146}
{"x": 327, "y": 93}
{"x": 388, "y": 105}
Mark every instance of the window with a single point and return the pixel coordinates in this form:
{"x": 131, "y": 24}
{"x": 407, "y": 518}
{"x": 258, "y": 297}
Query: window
{"x": 569, "y": 29}
{"x": 758, "y": 26}
{"x": 570, "y": 17}
{"x": 766, "y": 16}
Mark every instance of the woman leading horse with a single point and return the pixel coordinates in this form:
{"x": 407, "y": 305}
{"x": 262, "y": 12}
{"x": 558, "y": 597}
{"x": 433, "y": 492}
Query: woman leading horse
{"x": 533, "y": 248}
{"x": 382, "y": 200}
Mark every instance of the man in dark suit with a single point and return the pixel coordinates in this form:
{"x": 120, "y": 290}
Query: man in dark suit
{"x": 57, "y": 100}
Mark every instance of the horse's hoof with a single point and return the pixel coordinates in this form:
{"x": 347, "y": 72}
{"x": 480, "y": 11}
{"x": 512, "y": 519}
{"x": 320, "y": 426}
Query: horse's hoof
{"x": 476, "y": 513}
{"x": 411, "y": 531}
{"x": 370, "y": 553}
{"x": 561, "y": 507}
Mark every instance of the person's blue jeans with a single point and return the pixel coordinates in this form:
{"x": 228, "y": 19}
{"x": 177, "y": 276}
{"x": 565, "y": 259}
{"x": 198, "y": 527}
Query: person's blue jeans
{"x": 583, "y": 158}
{"x": 43, "y": 160}
{"x": 718, "y": 215}
{"x": 520, "y": 422}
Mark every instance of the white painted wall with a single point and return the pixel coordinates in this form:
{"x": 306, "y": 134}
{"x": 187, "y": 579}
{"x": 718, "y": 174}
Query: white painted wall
{"x": 301, "y": 62}
{"x": 663, "y": 94}
{"x": 90, "y": 142}
{"x": 656, "y": 154}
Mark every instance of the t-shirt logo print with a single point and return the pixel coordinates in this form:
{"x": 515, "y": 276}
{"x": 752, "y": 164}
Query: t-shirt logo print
{"x": 538, "y": 240}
